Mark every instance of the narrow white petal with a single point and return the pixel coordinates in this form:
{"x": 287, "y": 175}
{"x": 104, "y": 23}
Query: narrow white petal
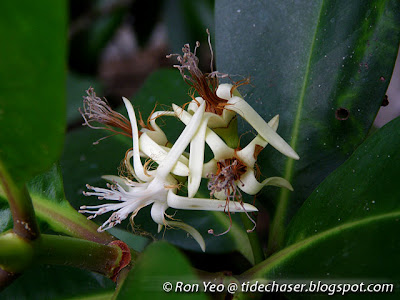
{"x": 181, "y": 143}
{"x": 217, "y": 145}
{"x": 158, "y": 134}
{"x": 274, "y": 122}
{"x": 194, "y": 105}
{"x": 119, "y": 180}
{"x": 137, "y": 164}
{"x": 183, "y": 159}
{"x": 250, "y": 185}
{"x": 157, "y": 212}
{"x": 157, "y": 153}
{"x": 209, "y": 167}
{"x": 189, "y": 229}
{"x": 128, "y": 165}
{"x": 196, "y": 158}
{"x": 180, "y": 202}
{"x": 183, "y": 115}
{"x": 224, "y": 91}
{"x": 241, "y": 107}
{"x": 246, "y": 155}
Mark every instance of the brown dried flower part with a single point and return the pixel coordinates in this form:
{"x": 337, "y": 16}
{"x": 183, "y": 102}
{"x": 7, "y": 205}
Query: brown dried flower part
{"x": 205, "y": 84}
{"x": 228, "y": 172}
{"x": 224, "y": 180}
{"x": 97, "y": 110}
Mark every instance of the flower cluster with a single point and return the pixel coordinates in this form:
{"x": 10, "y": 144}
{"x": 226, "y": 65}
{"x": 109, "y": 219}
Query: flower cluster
{"x": 230, "y": 172}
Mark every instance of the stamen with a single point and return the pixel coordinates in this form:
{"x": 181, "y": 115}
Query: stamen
{"x": 98, "y": 110}
{"x": 205, "y": 84}
{"x": 211, "y": 51}
{"x": 228, "y": 172}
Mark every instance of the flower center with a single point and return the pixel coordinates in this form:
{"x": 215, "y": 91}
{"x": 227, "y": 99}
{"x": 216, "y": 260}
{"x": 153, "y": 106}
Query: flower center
{"x": 228, "y": 172}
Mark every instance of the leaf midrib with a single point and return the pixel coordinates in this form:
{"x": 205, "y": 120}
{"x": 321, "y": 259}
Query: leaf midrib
{"x": 280, "y": 215}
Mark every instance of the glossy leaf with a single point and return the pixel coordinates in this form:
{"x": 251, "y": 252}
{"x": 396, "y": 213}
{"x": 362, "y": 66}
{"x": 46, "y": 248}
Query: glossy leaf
{"x": 306, "y": 60}
{"x": 55, "y": 282}
{"x": 5, "y": 215}
{"x": 52, "y": 208}
{"x": 348, "y": 228}
{"x": 53, "y": 211}
{"x": 93, "y": 161}
{"x": 159, "y": 263}
{"x": 32, "y": 86}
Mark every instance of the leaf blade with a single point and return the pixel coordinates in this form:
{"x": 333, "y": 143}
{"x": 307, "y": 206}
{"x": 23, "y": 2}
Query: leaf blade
{"x": 310, "y": 59}
{"x": 32, "y": 95}
{"x": 351, "y": 230}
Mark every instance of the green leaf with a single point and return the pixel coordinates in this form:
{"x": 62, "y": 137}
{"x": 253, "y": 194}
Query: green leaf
{"x": 92, "y": 161}
{"x": 32, "y": 86}
{"x": 52, "y": 208}
{"x": 5, "y": 215}
{"x": 53, "y": 211}
{"x": 306, "y": 60}
{"x": 348, "y": 227}
{"x": 159, "y": 263}
{"x": 94, "y": 296}
{"x": 135, "y": 242}
{"x": 54, "y": 282}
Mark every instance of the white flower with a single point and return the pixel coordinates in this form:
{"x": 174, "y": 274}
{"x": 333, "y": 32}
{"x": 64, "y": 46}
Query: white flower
{"x": 222, "y": 100}
{"x": 157, "y": 187}
{"x": 243, "y": 161}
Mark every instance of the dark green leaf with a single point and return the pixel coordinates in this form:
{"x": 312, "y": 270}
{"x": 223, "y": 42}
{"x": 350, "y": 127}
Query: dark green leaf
{"x": 54, "y": 282}
{"x": 348, "y": 227}
{"x": 135, "y": 242}
{"x": 306, "y": 60}
{"x": 159, "y": 263}
{"x": 363, "y": 188}
{"x": 32, "y": 85}
{"x": 52, "y": 209}
{"x": 5, "y": 215}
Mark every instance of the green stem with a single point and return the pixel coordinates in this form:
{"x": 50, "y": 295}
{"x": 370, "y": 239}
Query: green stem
{"x": 62, "y": 250}
{"x": 16, "y": 253}
{"x": 68, "y": 221}
{"x": 21, "y": 206}
{"x": 255, "y": 244}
